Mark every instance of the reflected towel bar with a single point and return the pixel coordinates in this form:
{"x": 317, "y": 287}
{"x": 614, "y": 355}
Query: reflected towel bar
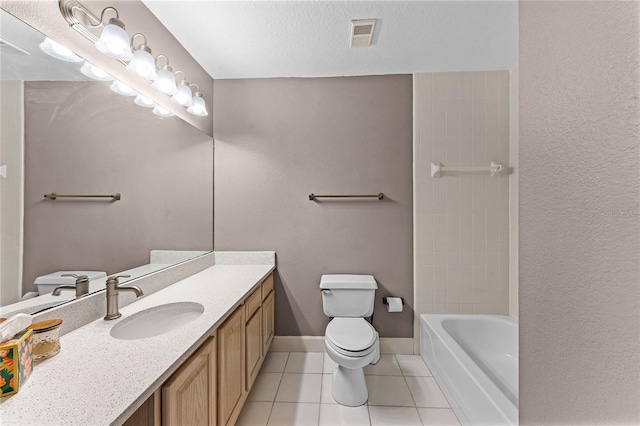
{"x": 53, "y": 196}
{"x": 314, "y": 197}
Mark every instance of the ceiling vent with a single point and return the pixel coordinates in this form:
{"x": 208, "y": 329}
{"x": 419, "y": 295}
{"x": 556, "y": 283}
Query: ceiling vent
{"x": 6, "y": 47}
{"x": 362, "y": 32}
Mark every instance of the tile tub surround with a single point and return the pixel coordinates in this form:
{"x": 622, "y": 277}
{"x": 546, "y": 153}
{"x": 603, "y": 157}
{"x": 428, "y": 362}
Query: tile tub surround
{"x": 295, "y": 389}
{"x": 461, "y": 224}
{"x": 112, "y": 378}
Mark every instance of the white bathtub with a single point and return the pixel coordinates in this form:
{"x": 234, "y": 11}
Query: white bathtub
{"x": 474, "y": 359}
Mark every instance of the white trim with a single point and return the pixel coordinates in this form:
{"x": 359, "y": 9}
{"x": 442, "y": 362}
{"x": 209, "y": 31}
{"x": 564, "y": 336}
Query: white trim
{"x": 388, "y": 345}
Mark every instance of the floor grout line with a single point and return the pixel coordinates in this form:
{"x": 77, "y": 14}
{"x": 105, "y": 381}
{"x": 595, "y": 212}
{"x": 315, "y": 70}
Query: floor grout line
{"x": 403, "y": 374}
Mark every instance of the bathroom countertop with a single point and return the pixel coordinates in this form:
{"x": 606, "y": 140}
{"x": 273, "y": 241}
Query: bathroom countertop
{"x": 99, "y": 380}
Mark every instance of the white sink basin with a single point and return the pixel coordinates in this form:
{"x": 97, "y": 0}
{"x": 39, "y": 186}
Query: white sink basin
{"x": 157, "y": 320}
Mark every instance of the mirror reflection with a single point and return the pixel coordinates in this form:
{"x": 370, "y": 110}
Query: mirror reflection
{"x": 68, "y": 129}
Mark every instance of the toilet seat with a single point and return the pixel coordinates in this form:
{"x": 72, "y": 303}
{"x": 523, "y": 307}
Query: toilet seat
{"x": 352, "y": 337}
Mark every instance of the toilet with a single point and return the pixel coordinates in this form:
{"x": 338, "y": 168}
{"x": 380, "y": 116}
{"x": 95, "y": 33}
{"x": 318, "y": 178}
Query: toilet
{"x": 48, "y": 283}
{"x": 350, "y": 340}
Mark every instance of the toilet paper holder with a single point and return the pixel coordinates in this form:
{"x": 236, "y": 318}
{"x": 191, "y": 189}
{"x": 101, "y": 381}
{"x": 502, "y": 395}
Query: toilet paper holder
{"x": 385, "y": 302}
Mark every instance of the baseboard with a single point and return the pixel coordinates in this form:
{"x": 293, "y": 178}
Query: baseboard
{"x": 297, "y": 344}
{"x": 388, "y": 345}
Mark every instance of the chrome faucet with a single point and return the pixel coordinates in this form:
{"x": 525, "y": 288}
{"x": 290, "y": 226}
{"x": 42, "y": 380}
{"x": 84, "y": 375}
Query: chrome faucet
{"x": 81, "y": 288}
{"x": 113, "y": 289}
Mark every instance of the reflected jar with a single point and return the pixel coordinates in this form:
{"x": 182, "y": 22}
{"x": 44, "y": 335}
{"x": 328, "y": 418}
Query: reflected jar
{"x": 46, "y": 339}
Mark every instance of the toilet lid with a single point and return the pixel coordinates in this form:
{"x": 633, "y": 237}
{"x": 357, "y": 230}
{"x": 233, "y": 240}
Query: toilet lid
{"x": 351, "y": 334}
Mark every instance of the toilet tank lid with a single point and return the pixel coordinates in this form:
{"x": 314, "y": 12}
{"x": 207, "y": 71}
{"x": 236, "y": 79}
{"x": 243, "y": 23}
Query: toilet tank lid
{"x": 56, "y": 278}
{"x": 348, "y": 282}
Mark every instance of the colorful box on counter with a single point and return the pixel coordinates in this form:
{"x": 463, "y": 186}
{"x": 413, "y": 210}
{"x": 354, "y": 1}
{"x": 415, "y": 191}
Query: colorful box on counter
{"x": 16, "y": 362}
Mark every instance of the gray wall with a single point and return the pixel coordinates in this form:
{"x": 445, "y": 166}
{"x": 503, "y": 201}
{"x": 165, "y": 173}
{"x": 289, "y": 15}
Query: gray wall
{"x": 579, "y": 213}
{"x": 81, "y": 138}
{"x": 277, "y": 141}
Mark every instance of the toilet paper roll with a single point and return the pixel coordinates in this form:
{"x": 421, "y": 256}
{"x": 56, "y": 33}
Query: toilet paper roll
{"x": 394, "y": 304}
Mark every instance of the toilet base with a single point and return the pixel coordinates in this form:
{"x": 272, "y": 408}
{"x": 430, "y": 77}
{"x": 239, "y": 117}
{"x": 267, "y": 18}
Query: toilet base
{"x": 349, "y": 386}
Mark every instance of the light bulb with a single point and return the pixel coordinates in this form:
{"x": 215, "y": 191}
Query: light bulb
{"x": 165, "y": 82}
{"x": 94, "y": 72}
{"x": 183, "y": 95}
{"x": 58, "y": 51}
{"x": 122, "y": 89}
{"x": 142, "y": 64}
{"x": 144, "y": 101}
{"x": 162, "y": 112}
{"x": 199, "y": 106}
{"x": 61, "y": 50}
{"x": 114, "y": 41}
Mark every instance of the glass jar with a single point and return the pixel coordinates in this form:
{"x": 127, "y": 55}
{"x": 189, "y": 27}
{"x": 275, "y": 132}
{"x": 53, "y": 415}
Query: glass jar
{"x": 46, "y": 339}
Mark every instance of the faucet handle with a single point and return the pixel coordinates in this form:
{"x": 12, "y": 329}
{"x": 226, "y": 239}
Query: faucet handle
{"x": 114, "y": 279}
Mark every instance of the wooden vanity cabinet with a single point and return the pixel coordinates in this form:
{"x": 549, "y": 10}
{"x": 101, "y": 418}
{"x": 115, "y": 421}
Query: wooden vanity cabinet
{"x": 189, "y": 397}
{"x": 268, "y": 313}
{"x": 256, "y": 308}
{"x": 253, "y": 337}
{"x": 149, "y": 412}
{"x": 231, "y": 371}
{"x": 212, "y": 385}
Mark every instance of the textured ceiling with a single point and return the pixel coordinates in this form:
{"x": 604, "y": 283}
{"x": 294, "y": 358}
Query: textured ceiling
{"x": 257, "y": 39}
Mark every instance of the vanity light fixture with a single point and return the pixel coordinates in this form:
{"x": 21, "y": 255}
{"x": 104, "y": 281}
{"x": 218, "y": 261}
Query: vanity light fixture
{"x": 198, "y": 107}
{"x": 183, "y": 95}
{"x": 162, "y": 112}
{"x": 58, "y": 51}
{"x": 122, "y": 89}
{"x": 94, "y": 72}
{"x": 143, "y": 101}
{"x": 166, "y": 81}
{"x": 114, "y": 41}
{"x": 142, "y": 63}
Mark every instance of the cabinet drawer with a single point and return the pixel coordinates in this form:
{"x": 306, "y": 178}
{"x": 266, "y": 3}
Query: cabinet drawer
{"x": 252, "y": 303}
{"x": 267, "y": 286}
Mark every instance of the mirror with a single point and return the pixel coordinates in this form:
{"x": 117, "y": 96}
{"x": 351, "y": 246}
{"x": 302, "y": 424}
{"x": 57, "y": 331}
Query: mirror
{"x": 65, "y": 133}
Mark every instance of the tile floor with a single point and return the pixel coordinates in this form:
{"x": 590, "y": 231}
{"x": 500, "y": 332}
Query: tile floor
{"x": 294, "y": 389}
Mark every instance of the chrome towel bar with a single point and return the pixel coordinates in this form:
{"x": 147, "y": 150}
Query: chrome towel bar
{"x": 314, "y": 197}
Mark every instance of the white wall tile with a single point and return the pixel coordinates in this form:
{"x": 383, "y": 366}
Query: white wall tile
{"x": 463, "y": 219}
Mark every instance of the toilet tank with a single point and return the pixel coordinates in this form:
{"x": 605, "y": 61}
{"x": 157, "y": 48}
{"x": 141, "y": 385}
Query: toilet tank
{"x": 350, "y": 296}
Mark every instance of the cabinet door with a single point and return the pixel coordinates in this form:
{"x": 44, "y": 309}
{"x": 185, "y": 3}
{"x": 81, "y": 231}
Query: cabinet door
{"x": 268, "y": 322}
{"x": 189, "y": 397}
{"x": 254, "y": 347}
{"x": 231, "y": 368}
